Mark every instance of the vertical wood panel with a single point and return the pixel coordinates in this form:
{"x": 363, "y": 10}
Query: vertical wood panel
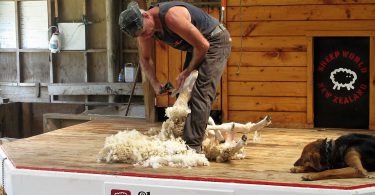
{"x": 310, "y": 83}
{"x": 161, "y": 63}
{"x": 69, "y": 68}
{"x": 34, "y": 67}
{"x": 372, "y": 83}
{"x": 224, "y": 95}
{"x": 8, "y": 67}
{"x": 174, "y": 69}
{"x": 96, "y": 67}
{"x": 224, "y": 80}
{"x": 70, "y": 10}
{"x": 96, "y": 36}
{"x": 18, "y": 43}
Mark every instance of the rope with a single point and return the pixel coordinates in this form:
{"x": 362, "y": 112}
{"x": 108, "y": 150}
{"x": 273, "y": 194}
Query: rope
{"x": 3, "y": 173}
{"x": 241, "y": 28}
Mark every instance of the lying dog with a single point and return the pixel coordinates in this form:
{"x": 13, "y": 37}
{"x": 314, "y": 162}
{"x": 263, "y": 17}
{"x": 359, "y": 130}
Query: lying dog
{"x": 349, "y": 156}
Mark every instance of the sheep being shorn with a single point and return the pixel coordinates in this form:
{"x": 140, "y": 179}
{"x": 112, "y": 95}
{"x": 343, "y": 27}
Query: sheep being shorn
{"x": 165, "y": 147}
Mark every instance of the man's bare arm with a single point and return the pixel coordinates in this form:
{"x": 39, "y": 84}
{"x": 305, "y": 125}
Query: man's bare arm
{"x": 178, "y": 19}
{"x": 147, "y": 63}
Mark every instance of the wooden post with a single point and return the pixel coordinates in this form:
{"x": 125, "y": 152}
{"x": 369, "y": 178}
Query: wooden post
{"x": 111, "y": 42}
{"x": 149, "y": 100}
{"x": 310, "y": 84}
{"x": 27, "y": 118}
{"x": 372, "y": 83}
{"x": 148, "y": 91}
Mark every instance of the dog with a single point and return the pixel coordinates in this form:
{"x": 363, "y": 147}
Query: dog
{"x": 349, "y": 156}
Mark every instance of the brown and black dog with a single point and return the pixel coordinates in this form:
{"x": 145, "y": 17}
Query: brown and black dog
{"x": 349, "y": 156}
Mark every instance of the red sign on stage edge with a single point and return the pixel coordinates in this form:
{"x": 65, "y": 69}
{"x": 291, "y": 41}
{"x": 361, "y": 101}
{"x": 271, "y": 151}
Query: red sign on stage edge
{"x": 120, "y": 192}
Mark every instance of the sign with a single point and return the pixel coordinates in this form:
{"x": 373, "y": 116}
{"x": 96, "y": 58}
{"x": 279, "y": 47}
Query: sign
{"x": 341, "y": 82}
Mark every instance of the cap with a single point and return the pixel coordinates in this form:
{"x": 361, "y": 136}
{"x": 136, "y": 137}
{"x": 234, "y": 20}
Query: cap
{"x": 131, "y": 20}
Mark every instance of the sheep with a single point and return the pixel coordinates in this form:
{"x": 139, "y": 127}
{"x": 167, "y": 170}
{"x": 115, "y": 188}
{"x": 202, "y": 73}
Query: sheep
{"x": 165, "y": 147}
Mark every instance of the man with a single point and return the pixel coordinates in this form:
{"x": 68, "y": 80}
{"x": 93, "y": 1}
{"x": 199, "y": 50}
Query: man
{"x": 188, "y": 28}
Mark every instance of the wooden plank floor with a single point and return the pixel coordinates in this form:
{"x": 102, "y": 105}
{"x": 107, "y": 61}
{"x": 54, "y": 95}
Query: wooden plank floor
{"x": 75, "y": 148}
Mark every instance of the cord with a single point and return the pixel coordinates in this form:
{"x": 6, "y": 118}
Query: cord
{"x": 241, "y": 28}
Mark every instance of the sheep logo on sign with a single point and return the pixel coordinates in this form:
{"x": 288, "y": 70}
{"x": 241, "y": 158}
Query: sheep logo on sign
{"x": 343, "y": 78}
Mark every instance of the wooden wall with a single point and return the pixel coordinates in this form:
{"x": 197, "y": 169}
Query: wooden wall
{"x": 273, "y": 73}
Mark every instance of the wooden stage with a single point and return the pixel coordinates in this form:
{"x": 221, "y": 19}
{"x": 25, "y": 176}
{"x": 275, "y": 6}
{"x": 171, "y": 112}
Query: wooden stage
{"x": 74, "y": 150}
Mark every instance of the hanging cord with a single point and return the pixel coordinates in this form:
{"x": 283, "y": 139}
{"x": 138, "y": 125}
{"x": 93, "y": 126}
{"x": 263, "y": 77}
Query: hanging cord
{"x": 3, "y": 173}
{"x": 241, "y": 28}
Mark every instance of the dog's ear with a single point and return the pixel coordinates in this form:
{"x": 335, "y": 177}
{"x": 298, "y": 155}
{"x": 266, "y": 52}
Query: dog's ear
{"x": 298, "y": 162}
{"x": 315, "y": 160}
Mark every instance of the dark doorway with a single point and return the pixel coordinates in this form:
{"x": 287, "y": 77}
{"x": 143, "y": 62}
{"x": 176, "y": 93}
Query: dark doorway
{"x": 341, "y": 82}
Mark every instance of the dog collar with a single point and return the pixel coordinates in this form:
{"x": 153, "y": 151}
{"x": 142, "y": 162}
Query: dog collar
{"x": 329, "y": 147}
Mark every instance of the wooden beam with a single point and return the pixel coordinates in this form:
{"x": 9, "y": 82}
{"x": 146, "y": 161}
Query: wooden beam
{"x": 267, "y": 74}
{"x": 372, "y": 83}
{"x": 52, "y": 121}
{"x": 162, "y": 69}
{"x": 27, "y": 118}
{"x": 297, "y": 28}
{"x": 310, "y": 83}
{"x": 18, "y": 42}
{"x": 93, "y": 89}
{"x": 56, "y": 10}
{"x": 111, "y": 41}
{"x": 224, "y": 95}
{"x": 270, "y": 104}
{"x": 24, "y": 93}
{"x": 256, "y": 88}
{"x": 302, "y": 12}
{"x": 294, "y": 2}
{"x": 279, "y": 119}
{"x": 149, "y": 98}
{"x": 269, "y": 58}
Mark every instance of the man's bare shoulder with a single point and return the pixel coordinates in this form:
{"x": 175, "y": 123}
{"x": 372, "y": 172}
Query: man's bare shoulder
{"x": 176, "y": 14}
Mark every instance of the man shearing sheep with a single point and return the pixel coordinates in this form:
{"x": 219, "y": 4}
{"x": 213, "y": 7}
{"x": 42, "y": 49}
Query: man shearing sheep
{"x": 188, "y": 28}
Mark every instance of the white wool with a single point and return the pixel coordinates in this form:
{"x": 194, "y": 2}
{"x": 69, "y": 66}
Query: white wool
{"x": 187, "y": 159}
{"x": 133, "y": 147}
{"x": 165, "y": 147}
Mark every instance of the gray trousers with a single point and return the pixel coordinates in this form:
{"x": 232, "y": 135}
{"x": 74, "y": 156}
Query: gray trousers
{"x": 204, "y": 90}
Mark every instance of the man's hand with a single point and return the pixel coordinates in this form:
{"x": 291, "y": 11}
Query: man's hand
{"x": 181, "y": 78}
{"x": 157, "y": 87}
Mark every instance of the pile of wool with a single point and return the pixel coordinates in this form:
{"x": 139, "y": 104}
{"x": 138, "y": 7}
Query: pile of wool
{"x": 133, "y": 147}
{"x": 165, "y": 147}
{"x": 157, "y": 147}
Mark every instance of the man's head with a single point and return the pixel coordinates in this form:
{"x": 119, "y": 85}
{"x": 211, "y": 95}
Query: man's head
{"x": 131, "y": 20}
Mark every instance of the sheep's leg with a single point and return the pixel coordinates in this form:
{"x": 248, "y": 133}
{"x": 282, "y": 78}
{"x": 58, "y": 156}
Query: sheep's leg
{"x": 227, "y": 153}
{"x": 211, "y": 121}
{"x": 258, "y": 126}
{"x": 214, "y": 133}
{"x": 225, "y": 127}
{"x": 241, "y": 128}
